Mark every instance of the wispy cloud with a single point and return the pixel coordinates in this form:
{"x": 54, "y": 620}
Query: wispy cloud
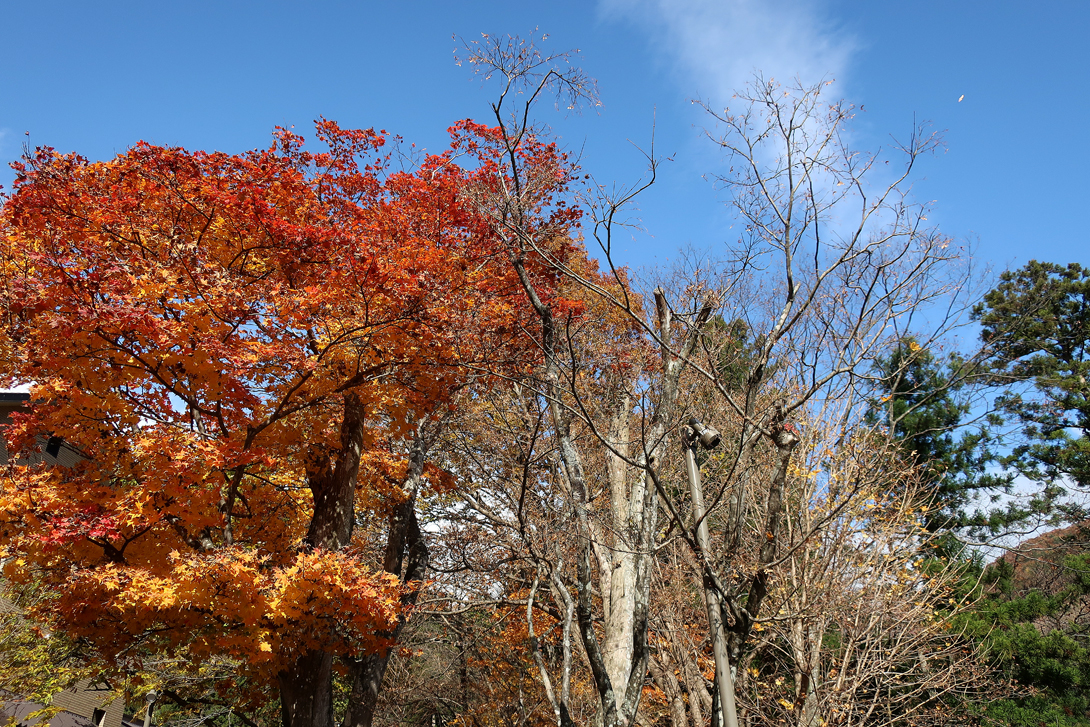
{"x": 719, "y": 44}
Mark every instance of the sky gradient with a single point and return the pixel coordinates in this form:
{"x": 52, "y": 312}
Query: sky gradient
{"x": 96, "y": 78}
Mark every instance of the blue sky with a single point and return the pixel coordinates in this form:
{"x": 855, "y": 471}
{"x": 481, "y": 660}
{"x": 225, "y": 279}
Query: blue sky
{"x": 97, "y": 77}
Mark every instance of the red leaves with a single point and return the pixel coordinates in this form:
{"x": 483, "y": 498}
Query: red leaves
{"x": 87, "y": 522}
{"x": 193, "y": 321}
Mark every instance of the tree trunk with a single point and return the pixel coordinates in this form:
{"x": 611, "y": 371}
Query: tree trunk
{"x": 805, "y": 640}
{"x": 404, "y": 539}
{"x": 332, "y": 482}
{"x": 629, "y": 521}
{"x": 785, "y": 439}
{"x": 306, "y": 691}
{"x": 306, "y": 683}
{"x": 723, "y": 682}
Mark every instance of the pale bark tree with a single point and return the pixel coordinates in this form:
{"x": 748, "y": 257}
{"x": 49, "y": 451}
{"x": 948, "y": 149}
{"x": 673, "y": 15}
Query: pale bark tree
{"x": 832, "y": 269}
{"x": 619, "y": 536}
{"x": 829, "y": 270}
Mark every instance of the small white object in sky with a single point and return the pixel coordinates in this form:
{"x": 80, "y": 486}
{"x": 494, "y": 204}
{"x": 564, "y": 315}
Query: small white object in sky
{"x": 961, "y": 97}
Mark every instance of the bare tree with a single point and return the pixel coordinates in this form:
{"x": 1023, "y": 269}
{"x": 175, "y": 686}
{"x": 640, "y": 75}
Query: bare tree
{"x": 829, "y": 269}
{"x": 856, "y": 627}
{"x": 835, "y": 264}
{"x": 618, "y": 537}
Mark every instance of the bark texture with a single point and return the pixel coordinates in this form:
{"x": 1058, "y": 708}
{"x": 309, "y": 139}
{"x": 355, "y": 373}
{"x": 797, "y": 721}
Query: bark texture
{"x": 306, "y": 684}
{"x": 406, "y": 557}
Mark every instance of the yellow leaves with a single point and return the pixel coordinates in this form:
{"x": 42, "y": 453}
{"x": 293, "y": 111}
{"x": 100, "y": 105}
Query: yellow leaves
{"x": 803, "y": 473}
{"x": 325, "y": 584}
{"x": 195, "y": 338}
{"x": 233, "y": 602}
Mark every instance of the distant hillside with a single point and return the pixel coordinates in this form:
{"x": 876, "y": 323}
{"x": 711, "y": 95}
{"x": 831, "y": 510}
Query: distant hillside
{"x": 1039, "y": 563}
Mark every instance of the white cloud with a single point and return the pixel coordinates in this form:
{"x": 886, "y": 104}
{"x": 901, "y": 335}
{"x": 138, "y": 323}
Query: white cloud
{"x": 719, "y": 44}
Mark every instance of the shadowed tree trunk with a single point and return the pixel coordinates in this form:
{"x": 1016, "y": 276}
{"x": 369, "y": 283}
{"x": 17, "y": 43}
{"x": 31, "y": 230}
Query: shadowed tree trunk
{"x": 404, "y": 546}
{"x": 306, "y": 684}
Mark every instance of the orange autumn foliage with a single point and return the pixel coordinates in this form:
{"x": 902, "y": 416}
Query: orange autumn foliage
{"x": 194, "y": 325}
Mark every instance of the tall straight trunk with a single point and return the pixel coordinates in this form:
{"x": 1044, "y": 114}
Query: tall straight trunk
{"x": 306, "y": 691}
{"x": 405, "y": 547}
{"x": 723, "y": 681}
{"x": 629, "y": 519}
{"x": 306, "y": 682}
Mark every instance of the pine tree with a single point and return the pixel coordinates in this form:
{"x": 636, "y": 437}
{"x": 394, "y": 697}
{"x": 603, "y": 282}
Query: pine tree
{"x": 923, "y": 401}
{"x": 1038, "y": 322}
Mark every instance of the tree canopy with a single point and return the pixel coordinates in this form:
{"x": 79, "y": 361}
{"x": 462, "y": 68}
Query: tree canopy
{"x": 240, "y": 347}
{"x": 1038, "y": 321}
{"x": 923, "y": 401}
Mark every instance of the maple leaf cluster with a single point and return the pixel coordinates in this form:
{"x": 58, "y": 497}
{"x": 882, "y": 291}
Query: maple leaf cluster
{"x": 193, "y": 324}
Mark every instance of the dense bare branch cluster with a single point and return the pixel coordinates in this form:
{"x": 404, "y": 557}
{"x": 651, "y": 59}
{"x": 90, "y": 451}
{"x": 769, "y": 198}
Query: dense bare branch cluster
{"x": 801, "y": 543}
